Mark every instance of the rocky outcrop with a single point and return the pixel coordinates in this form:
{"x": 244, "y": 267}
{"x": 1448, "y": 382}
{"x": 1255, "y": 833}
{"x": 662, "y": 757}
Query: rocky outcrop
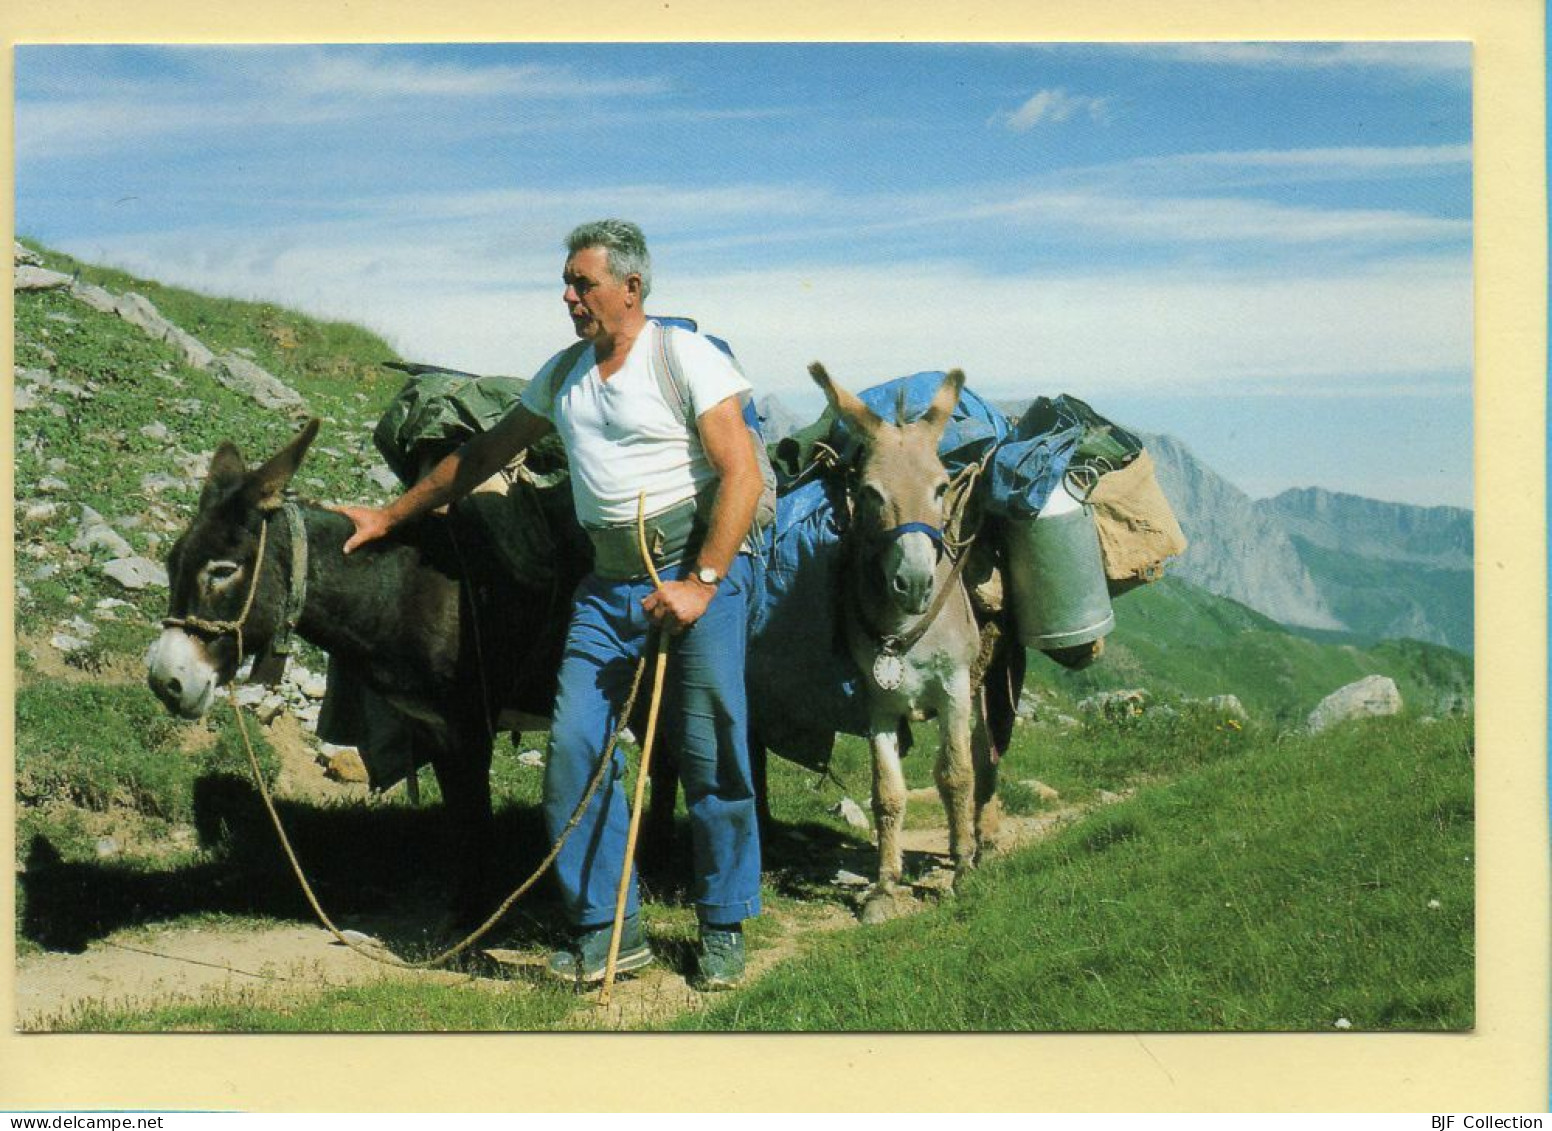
{"x": 1372, "y": 697}
{"x": 240, "y": 374}
{"x": 1235, "y": 550}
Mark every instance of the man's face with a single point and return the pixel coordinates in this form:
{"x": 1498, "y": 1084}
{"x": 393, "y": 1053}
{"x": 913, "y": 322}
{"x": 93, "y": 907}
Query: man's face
{"x": 598, "y": 302}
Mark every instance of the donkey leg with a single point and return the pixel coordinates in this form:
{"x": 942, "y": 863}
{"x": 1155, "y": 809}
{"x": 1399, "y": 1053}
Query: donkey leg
{"x": 954, "y": 772}
{"x": 988, "y": 809}
{"x": 462, "y": 768}
{"x": 888, "y": 815}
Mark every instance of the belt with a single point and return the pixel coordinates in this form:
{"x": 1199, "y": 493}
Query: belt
{"x": 672, "y": 536}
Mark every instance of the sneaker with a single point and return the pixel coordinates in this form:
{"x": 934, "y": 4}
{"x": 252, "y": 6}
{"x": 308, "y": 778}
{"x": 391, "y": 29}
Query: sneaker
{"x": 719, "y": 960}
{"x": 587, "y": 958}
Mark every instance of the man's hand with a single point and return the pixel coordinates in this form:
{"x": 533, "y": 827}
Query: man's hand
{"x": 371, "y": 524}
{"x": 678, "y": 604}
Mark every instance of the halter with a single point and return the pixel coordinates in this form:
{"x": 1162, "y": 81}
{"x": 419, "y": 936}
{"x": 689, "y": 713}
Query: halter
{"x": 894, "y": 645}
{"x": 296, "y": 597}
{"x": 898, "y": 532}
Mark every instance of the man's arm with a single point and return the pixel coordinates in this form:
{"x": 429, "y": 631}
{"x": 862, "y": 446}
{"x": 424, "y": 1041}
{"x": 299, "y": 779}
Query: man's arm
{"x": 730, "y": 451}
{"x": 454, "y": 477}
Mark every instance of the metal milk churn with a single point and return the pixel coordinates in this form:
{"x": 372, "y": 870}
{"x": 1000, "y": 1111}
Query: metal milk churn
{"x": 1060, "y": 597}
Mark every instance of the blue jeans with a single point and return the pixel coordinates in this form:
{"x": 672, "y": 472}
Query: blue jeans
{"x": 704, "y": 717}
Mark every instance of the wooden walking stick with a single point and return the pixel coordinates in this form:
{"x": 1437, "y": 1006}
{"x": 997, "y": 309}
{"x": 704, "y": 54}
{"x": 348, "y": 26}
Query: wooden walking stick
{"x": 646, "y": 760}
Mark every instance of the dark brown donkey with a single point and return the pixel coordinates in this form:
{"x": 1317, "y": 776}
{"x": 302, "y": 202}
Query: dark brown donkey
{"x": 400, "y": 612}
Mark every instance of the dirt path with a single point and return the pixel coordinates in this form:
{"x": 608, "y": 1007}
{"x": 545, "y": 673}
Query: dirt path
{"x": 145, "y": 967}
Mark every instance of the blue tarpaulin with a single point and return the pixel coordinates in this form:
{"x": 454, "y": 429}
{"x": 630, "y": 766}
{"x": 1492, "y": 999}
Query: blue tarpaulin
{"x": 804, "y": 685}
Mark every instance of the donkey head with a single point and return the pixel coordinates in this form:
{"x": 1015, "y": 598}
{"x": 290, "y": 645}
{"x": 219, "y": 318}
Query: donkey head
{"x": 211, "y": 572}
{"x": 900, "y": 489}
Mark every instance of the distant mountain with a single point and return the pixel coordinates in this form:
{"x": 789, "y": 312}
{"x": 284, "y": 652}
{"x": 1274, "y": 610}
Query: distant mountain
{"x": 1441, "y": 537}
{"x": 1320, "y": 560}
{"x": 777, "y": 421}
{"x": 1174, "y": 638}
{"x": 1236, "y": 550}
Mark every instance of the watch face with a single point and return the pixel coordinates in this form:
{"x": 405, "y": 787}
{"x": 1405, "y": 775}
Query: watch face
{"x": 707, "y": 575}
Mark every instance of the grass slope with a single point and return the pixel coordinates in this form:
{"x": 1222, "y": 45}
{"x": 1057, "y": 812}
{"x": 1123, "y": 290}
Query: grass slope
{"x": 1289, "y": 886}
{"x": 1178, "y": 640}
{"x": 1125, "y": 900}
{"x": 1382, "y": 598}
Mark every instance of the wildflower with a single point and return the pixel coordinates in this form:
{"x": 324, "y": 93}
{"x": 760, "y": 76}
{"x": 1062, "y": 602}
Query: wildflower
{"x": 1343, "y": 1023}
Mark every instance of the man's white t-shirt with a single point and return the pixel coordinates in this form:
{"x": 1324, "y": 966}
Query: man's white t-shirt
{"x": 622, "y": 437}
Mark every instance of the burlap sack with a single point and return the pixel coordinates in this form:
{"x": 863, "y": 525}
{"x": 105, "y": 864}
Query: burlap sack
{"x": 1138, "y": 531}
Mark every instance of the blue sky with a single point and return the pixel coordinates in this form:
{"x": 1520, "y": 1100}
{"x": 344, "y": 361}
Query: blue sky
{"x": 1263, "y": 249}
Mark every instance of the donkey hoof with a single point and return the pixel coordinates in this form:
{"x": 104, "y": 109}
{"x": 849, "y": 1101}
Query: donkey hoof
{"x": 884, "y": 904}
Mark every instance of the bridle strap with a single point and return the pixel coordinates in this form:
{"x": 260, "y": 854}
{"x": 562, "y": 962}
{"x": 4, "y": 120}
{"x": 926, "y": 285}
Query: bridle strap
{"x": 901, "y": 643}
{"x": 234, "y": 627}
{"x": 898, "y": 532}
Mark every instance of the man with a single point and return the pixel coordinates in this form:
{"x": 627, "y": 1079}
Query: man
{"x": 606, "y": 398}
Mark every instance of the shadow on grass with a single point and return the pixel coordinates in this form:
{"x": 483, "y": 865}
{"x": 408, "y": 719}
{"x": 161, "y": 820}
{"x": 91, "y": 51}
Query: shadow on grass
{"x": 388, "y": 871}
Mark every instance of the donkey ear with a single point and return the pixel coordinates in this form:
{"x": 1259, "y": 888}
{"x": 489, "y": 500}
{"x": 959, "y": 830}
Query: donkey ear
{"x": 226, "y": 471}
{"x": 266, "y": 486}
{"x": 941, "y": 410}
{"x": 858, "y": 417}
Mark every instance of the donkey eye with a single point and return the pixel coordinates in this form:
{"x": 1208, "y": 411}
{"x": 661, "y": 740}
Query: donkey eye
{"x": 218, "y": 574}
{"x": 940, "y": 491}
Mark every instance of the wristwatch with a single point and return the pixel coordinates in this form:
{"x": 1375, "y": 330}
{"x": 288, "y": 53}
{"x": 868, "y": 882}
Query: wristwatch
{"x": 707, "y": 575}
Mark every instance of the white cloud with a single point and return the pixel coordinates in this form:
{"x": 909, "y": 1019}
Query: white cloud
{"x": 368, "y": 77}
{"x": 1409, "y": 56}
{"x": 1050, "y": 106}
{"x": 494, "y": 306}
{"x": 1188, "y": 220}
{"x": 262, "y": 89}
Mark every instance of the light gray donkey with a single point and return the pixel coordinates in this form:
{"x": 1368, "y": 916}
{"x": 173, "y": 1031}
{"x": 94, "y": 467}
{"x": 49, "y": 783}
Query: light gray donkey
{"x": 910, "y": 625}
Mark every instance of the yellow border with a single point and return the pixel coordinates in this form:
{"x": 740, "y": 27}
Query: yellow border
{"x": 1500, "y": 1067}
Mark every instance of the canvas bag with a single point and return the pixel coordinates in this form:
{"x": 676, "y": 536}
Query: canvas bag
{"x": 1137, "y": 528}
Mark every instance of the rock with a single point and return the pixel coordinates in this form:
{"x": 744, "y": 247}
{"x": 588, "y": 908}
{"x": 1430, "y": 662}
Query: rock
{"x": 1228, "y": 706}
{"x": 51, "y": 483}
{"x": 244, "y": 377}
{"x": 314, "y": 686}
{"x": 95, "y": 534}
{"x": 40, "y": 512}
{"x": 160, "y": 481}
{"x": 62, "y": 318}
{"x": 30, "y": 278}
{"x": 1116, "y": 705}
{"x": 846, "y": 879}
{"x": 136, "y": 573}
{"x": 67, "y": 643}
{"x": 249, "y": 695}
{"x": 1371, "y": 697}
{"x": 157, "y": 432}
{"x": 194, "y": 351}
{"x": 1042, "y": 791}
{"x": 23, "y": 399}
{"x": 850, "y": 812}
{"x": 1067, "y": 722}
{"x": 94, "y": 297}
{"x": 22, "y": 254}
{"x": 106, "y": 847}
{"x": 346, "y": 766}
{"x": 1028, "y": 704}
{"x": 533, "y": 759}
{"x": 382, "y": 477}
